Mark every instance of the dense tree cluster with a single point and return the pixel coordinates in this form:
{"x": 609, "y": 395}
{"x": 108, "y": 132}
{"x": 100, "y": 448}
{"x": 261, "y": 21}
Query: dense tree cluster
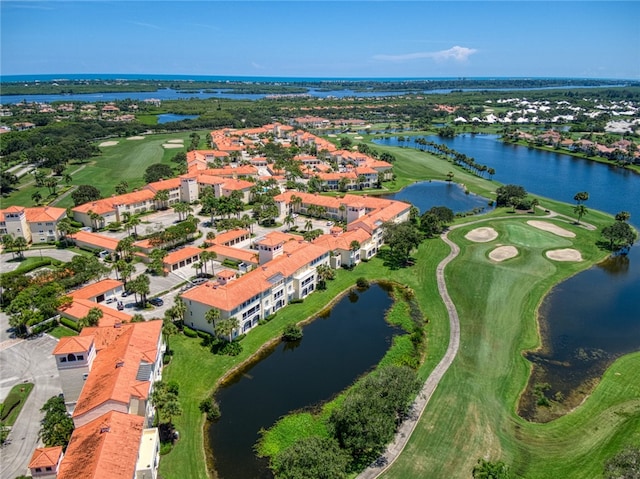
{"x": 85, "y": 194}
{"x": 510, "y": 195}
{"x": 57, "y": 425}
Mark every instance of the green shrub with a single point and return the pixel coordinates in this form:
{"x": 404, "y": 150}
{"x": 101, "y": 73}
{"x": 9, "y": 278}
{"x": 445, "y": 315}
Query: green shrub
{"x": 232, "y": 348}
{"x": 12, "y": 402}
{"x": 210, "y": 408}
{"x": 270, "y": 317}
{"x": 189, "y": 333}
{"x": 362, "y": 282}
{"x": 69, "y": 323}
{"x": 240, "y": 337}
{"x": 292, "y": 332}
{"x": 204, "y": 335}
{"x": 296, "y": 301}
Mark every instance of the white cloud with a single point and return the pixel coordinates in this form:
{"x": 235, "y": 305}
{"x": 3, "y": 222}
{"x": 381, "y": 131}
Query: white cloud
{"x": 257, "y": 66}
{"x": 144, "y": 25}
{"x": 457, "y": 53}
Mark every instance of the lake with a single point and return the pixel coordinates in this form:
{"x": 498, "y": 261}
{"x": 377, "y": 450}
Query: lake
{"x": 337, "y": 348}
{"x": 171, "y": 117}
{"x": 426, "y": 194}
{"x": 594, "y": 317}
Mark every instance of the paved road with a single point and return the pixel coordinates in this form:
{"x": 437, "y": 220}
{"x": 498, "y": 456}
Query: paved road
{"x": 407, "y": 427}
{"x": 7, "y": 265}
{"x": 29, "y": 360}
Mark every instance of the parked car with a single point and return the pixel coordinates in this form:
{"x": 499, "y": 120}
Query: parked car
{"x": 156, "y": 301}
{"x": 120, "y": 306}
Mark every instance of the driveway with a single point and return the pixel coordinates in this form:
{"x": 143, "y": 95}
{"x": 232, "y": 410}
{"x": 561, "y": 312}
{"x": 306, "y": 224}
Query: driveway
{"x": 26, "y": 361}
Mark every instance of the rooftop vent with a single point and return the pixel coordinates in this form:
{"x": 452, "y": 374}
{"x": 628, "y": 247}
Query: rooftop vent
{"x": 120, "y": 363}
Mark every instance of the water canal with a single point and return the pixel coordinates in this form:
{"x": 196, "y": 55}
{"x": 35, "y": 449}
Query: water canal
{"x": 338, "y": 347}
{"x": 594, "y": 317}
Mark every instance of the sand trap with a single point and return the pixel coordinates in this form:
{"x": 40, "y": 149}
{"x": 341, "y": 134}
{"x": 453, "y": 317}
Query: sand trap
{"x": 136, "y": 138}
{"x": 481, "y": 235}
{"x": 551, "y": 228}
{"x": 331, "y": 135}
{"x": 108, "y": 143}
{"x": 502, "y": 253}
{"x": 566, "y": 254}
{"x": 357, "y": 138}
{"x": 171, "y": 145}
{"x": 175, "y": 141}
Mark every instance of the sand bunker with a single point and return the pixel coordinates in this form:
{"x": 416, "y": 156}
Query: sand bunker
{"x": 551, "y": 228}
{"x": 136, "y": 138}
{"x": 331, "y": 135}
{"x": 502, "y": 253}
{"x": 175, "y": 141}
{"x": 108, "y": 143}
{"x": 357, "y": 138}
{"x": 481, "y": 235}
{"x": 566, "y": 254}
{"x": 171, "y": 145}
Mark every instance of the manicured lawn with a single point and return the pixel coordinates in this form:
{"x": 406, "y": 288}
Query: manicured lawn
{"x": 62, "y": 331}
{"x": 125, "y": 161}
{"x": 18, "y": 395}
{"x": 472, "y": 414}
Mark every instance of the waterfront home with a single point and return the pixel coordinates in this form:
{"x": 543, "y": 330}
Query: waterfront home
{"x": 36, "y": 225}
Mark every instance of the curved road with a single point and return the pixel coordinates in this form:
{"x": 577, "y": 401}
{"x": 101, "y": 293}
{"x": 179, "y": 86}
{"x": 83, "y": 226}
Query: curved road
{"x": 406, "y": 428}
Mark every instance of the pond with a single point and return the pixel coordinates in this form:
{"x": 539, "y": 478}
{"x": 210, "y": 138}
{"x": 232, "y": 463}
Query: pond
{"x": 337, "y": 348}
{"x": 427, "y": 194}
{"x": 170, "y": 117}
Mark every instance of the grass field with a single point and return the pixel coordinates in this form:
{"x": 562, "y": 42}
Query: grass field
{"x": 19, "y": 392}
{"x": 125, "y": 161}
{"x": 472, "y": 414}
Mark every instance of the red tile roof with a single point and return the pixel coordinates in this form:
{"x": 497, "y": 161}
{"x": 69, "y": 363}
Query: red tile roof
{"x": 73, "y": 344}
{"x": 96, "y": 289}
{"x": 113, "y": 375}
{"x": 105, "y": 448}
{"x": 97, "y": 240}
{"x": 45, "y": 457}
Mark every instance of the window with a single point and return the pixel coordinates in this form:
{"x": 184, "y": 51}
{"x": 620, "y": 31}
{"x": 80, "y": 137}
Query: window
{"x": 80, "y": 357}
{"x": 70, "y": 357}
{"x": 63, "y": 360}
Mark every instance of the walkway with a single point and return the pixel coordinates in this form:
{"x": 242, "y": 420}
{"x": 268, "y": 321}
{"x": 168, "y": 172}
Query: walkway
{"x": 407, "y": 427}
{"x": 393, "y": 451}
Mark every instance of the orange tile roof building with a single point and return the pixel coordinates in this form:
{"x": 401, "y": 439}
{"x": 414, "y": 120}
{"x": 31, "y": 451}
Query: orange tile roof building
{"x": 45, "y": 462}
{"x": 107, "y": 375}
{"x": 36, "y": 225}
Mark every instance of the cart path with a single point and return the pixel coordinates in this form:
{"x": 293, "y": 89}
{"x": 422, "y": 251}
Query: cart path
{"x": 407, "y": 427}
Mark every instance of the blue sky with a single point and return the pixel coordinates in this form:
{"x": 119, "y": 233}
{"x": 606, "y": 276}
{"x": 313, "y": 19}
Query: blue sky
{"x": 345, "y": 39}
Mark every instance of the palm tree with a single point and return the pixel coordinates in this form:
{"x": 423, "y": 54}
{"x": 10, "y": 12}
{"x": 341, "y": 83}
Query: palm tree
{"x": 8, "y": 243}
{"x": 20, "y": 244}
{"x": 226, "y": 327}
{"x": 534, "y": 204}
{"x": 623, "y": 216}
{"x": 182, "y": 208}
{"x": 162, "y": 197}
{"x": 36, "y": 196}
{"x": 581, "y": 197}
{"x": 288, "y": 220}
{"x": 91, "y": 319}
{"x": 308, "y": 225}
{"x": 95, "y": 218}
{"x": 206, "y": 256}
{"x": 212, "y": 316}
{"x": 133, "y": 222}
{"x": 580, "y": 210}
{"x": 67, "y": 179}
{"x": 450, "y": 176}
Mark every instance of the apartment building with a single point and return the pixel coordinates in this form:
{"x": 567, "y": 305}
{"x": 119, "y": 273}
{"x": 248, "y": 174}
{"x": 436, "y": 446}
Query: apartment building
{"x": 36, "y": 225}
